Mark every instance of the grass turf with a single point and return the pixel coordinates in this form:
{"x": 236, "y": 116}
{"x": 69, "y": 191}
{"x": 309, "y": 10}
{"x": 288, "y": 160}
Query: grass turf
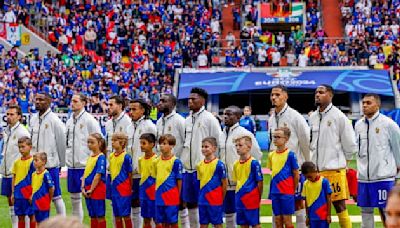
{"x": 266, "y": 210}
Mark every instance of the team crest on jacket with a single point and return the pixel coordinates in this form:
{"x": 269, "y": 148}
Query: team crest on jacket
{"x": 377, "y": 130}
{"x": 81, "y": 126}
{"x": 46, "y": 126}
{"x": 120, "y": 129}
{"x": 169, "y": 128}
{"x": 329, "y": 123}
{"x": 15, "y": 137}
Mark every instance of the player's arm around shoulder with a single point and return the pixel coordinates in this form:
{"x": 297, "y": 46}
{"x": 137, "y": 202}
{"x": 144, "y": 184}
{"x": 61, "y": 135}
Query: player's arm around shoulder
{"x": 178, "y": 174}
{"x": 128, "y": 166}
{"x": 328, "y": 192}
{"x": 50, "y": 184}
{"x": 256, "y": 167}
{"x": 304, "y": 194}
{"x": 295, "y": 169}
{"x": 222, "y": 175}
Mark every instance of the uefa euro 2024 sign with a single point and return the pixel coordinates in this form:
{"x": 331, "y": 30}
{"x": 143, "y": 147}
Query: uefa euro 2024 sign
{"x": 359, "y": 81}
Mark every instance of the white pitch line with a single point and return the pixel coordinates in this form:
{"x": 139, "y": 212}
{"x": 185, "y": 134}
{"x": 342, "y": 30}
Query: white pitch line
{"x": 353, "y": 218}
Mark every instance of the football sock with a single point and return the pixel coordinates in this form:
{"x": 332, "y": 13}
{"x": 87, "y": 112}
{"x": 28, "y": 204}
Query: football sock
{"x": 184, "y": 216}
{"x": 230, "y": 220}
{"x": 367, "y": 216}
{"x": 136, "y": 218}
{"x": 60, "y": 206}
{"x": 194, "y": 218}
{"x": 301, "y": 218}
{"x": 344, "y": 219}
{"x": 14, "y": 218}
{"x": 76, "y": 202}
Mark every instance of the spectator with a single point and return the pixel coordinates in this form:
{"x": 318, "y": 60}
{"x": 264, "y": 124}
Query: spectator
{"x": 90, "y": 37}
{"x": 303, "y": 59}
{"x": 276, "y": 57}
{"x": 9, "y": 16}
{"x": 202, "y": 60}
{"x": 230, "y": 38}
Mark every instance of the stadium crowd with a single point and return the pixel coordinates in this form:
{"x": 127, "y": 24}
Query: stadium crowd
{"x": 133, "y": 49}
{"x": 372, "y": 27}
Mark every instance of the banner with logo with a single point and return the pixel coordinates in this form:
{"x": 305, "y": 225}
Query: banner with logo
{"x": 13, "y": 33}
{"x": 359, "y": 81}
{"x": 295, "y": 15}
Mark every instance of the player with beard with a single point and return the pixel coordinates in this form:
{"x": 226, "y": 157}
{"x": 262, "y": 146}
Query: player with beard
{"x": 198, "y": 125}
{"x": 119, "y": 122}
{"x": 378, "y": 160}
{"x": 332, "y": 144}
{"x": 10, "y": 153}
{"x": 139, "y": 111}
{"x": 48, "y": 135}
{"x": 299, "y": 141}
{"x": 229, "y": 155}
{"x": 79, "y": 126}
{"x": 174, "y": 124}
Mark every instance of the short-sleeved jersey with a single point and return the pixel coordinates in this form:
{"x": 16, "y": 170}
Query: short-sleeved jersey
{"x": 315, "y": 194}
{"x": 120, "y": 170}
{"x": 41, "y": 183}
{"x": 96, "y": 165}
{"x": 247, "y": 174}
{"x": 282, "y": 165}
{"x": 22, "y": 170}
{"x": 147, "y": 189}
{"x": 210, "y": 175}
{"x": 168, "y": 171}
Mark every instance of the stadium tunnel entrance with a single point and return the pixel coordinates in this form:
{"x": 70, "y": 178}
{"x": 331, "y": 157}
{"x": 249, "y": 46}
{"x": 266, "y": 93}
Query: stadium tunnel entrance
{"x": 259, "y": 100}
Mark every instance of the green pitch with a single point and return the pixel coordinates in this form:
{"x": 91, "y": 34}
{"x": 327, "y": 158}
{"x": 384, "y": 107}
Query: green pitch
{"x": 266, "y": 210}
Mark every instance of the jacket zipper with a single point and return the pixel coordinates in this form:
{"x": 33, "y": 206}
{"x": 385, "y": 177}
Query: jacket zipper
{"x": 359, "y": 146}
{"x": 38, "y": 137}
{"x": 319, "y": 132}
{"x": 5, "y": 154}
{"x": 368, "y": 148}
{"x": 73, "y": 138}
{"x": 163, "y": 123}
{"x": 191, "y": 140}
{"x": 226, "y": 160}
{"x": 73, "y": 145}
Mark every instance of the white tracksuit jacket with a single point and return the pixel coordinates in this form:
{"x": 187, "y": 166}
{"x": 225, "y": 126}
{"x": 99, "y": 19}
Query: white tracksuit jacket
{"x": 173, "y": 124}
{"x": 138, "y": 128}
{"x": 49, "y": 135}
{"x": 228, "y": 153}
{"x": 10, "y": 151}
{"x": 332, "y": 139}
{"x": 378, "y": 154}
{"x": 299, "y": 141}
{"x": 198, "y": 126}
{"x": 78, "y": 131}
